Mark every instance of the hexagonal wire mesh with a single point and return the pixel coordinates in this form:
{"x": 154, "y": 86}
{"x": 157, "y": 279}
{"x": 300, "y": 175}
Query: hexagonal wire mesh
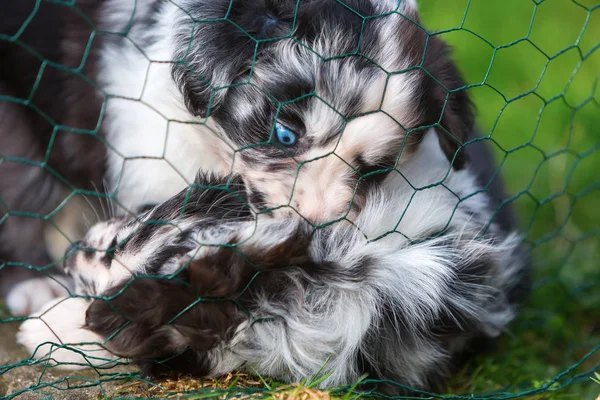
{"x": 532, "y": 68}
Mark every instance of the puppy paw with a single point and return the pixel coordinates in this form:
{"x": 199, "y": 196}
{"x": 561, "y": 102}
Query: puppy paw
{"x": 56, "y": 335}
{"x": 28, "y": 296}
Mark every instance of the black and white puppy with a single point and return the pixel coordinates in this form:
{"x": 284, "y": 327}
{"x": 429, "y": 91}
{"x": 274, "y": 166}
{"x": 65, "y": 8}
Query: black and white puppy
{"x": 202, "y": 284}
{"x": 302, "y": 99}
{"x": 319, "y": 110}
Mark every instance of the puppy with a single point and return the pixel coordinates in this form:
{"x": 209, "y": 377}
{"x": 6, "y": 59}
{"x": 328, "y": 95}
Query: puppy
{"x": 49, "y": 147}
{"x": 204, "y": 284}
{"x": 310, "y": 102}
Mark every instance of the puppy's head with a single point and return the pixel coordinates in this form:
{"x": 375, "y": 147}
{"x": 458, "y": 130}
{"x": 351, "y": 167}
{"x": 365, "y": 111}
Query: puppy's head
{"x": 149, "y": 293}
{"x": 161, "y": 240}
{"x": 318, "y": 98}
{"x": 182, "y": 322}
{"x": 168, "y": 284}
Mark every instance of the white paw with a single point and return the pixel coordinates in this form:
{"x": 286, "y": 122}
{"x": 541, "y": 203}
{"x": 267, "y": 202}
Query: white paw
{"x": 55, "y": 335}
{"x": 28, "y": 296}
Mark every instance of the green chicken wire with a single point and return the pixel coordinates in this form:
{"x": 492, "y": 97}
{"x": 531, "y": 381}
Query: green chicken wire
{"x": 532, "y": 68}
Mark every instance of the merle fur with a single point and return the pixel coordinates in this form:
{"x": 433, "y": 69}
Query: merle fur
{"x": 229, "y": 47}
{"x": 150, "y": 329}
{"x": 227, "y": 287}
{"x": 441, "y": 98}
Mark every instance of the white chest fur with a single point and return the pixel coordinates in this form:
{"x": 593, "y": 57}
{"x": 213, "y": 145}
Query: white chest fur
{"x": 155, "y": 146}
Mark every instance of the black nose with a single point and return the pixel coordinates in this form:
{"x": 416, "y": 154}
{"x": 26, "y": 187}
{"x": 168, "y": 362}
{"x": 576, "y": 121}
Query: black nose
{"x": 72, "y": 247}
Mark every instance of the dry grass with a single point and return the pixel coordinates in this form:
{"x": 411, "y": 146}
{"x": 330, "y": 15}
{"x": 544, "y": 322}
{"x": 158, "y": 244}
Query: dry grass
{"x": 190, "y": 388}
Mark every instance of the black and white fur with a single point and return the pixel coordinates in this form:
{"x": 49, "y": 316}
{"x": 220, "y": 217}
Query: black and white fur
{"x": 155, "y": 90}
{"x": 404, "y": 293}
{"x": 400, "y": 286}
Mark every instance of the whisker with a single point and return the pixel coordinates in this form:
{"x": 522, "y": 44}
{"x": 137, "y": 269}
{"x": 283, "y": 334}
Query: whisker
{"x": 92, "y": 207}
{"x": 98, "y": 194}
{"x": 110, "y": 204}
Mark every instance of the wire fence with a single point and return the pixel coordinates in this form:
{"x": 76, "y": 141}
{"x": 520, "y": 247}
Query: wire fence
{"x": 535, "y": 84}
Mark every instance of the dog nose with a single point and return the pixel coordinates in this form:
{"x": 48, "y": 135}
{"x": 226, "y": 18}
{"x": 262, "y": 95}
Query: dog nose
{"x": 72, "y": 247}
{"x": 68, "y": 253}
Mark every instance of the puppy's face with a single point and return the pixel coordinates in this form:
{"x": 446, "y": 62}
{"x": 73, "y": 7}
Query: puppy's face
{"x": 164, "y": 283}
{"x": 148, "y": 283}
{"x": 89, "y": 261}
{"x": 148, "y": 294}
{"x": 160, "y": 241}
{"x": 317, "y": 99}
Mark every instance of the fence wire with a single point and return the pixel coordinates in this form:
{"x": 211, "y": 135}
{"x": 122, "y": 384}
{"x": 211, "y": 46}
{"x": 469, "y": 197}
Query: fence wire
{"x": 533, "y": 69}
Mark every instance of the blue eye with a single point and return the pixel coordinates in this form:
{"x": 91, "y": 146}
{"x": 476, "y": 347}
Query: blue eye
{"x": 285, "y": 136}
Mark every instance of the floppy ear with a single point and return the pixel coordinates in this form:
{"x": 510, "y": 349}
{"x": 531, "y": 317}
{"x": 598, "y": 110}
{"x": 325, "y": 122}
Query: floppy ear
{"x": 227, "y": 272}
{"x": 158, "y": 322}
{"x": 451, "y": 104}
{"x": 204, "y": 80}
{"x": 216, "y": 43}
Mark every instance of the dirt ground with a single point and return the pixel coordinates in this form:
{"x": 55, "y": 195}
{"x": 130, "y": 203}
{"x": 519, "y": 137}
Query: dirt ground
{"x": 18, "y": 379}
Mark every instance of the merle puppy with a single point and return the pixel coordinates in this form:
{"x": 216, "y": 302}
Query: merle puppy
{"x": 204, "y": 285}
{"x": 363, "y": 237}
{"x": 304, "y": 100}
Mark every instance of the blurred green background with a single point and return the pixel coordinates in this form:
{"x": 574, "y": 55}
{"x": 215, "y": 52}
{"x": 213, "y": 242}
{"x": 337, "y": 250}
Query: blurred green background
{"x": 533, "y": 70}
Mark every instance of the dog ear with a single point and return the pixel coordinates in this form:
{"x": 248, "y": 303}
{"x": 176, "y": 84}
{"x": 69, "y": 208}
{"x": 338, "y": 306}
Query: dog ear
{"x": 204, "y": 82}
{"x": 216, "y": 45}
{"x": 151, "y": 320}
{"x": 228, "y": 271}
{"x": 450, "y": 105}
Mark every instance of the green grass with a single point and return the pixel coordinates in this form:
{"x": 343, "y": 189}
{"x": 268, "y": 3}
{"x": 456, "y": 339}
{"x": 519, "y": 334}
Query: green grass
{"x": 535, "y": 82}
